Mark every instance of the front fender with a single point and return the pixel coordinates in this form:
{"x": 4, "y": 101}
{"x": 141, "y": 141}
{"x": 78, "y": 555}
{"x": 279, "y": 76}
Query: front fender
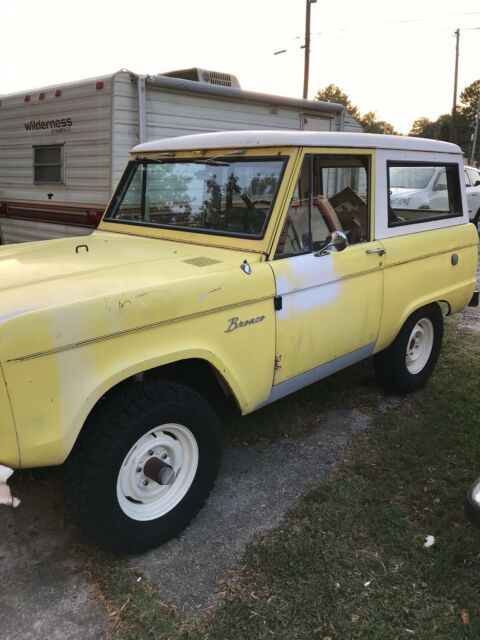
{"x": 64, "y": 386}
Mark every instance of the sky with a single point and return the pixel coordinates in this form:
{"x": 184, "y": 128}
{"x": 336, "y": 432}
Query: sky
{"x": 396, "y": 58}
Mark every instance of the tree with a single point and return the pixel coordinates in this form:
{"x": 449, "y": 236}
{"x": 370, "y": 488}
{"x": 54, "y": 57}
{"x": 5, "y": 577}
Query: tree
{"x": 439, "y": 129}
{"x": 370, "y": 124}
{"x": 469, "y": 101}
{"x": 421, "y": 128}
{"x": 332, "y": 93}
{"x": 369, "y": 121}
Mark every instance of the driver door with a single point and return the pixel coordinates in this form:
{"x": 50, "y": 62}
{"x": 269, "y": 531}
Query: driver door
{"x": 330, "y": 301}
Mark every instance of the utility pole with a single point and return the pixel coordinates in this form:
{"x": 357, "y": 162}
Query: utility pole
{"x": 475, "y": 134}
{"x": 455, "y": 84}
{"x": 306, "y": 69}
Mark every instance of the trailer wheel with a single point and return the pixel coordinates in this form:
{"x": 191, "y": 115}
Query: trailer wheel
{"x": 409, "y": 361}
{"x": 144, "y": 465}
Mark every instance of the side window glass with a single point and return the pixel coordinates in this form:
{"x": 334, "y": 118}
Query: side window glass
{"x": 340, "y": 197}
{"x": 295, "y": 236}
{"x": 331, "y": 195}
{"x": 420, "y": 192}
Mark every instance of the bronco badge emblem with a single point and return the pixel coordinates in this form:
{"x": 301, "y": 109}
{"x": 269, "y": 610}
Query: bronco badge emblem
{"x": 236, "y": 323}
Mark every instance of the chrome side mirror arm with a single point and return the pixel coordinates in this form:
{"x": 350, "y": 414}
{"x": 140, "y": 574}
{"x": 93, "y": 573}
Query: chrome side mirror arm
{"x": 338, "y": 242}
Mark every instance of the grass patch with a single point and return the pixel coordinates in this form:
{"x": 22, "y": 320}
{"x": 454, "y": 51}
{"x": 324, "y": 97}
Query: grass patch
{"x": 349, "y": 561}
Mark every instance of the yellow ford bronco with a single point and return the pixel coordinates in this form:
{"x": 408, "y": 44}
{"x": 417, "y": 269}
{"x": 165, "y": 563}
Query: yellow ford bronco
{"x": 241, "y": 265}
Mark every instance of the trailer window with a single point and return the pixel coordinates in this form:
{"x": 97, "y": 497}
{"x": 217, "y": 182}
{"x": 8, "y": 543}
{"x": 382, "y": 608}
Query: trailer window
{"x": 48, "y": 164}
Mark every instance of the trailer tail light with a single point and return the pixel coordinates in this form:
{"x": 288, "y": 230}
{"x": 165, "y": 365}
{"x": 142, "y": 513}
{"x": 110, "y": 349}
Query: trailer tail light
{"x": 58, "y": 93}
{"x": 26, "y": 98}
{"x": 99, "y": 85}
{"x": 93, "y": 217}
{"x": 41, "y": 95}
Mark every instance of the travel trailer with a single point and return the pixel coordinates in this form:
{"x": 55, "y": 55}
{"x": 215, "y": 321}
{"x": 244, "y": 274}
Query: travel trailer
{"x": 63, "y": 148}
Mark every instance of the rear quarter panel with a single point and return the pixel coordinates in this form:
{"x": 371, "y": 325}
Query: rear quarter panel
{"x": 420, "y": 269}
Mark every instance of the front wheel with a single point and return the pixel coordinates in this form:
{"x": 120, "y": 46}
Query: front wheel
{"x": 144, "y": 465}
{"x": 409, "y": 361}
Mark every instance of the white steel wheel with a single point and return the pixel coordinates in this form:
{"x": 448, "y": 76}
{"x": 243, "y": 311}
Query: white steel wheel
{"x": 142, "y": 498}
{"x": 419, "y": 346}
{"x": 408, "y": 362}
{"x": 144, "y": 465}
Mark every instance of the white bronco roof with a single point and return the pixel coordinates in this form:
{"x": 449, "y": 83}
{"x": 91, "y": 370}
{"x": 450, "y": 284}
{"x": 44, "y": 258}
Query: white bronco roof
{"x": 242, "y": 139}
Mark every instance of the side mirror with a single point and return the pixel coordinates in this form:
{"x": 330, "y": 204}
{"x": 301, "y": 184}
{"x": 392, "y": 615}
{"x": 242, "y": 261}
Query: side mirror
{"x": 336, "y": 242}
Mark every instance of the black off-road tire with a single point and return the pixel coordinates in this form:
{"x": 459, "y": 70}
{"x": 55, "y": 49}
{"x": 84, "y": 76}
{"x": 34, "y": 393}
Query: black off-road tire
{"x": 390, "y": 365}
{"x": 115, "y": 425}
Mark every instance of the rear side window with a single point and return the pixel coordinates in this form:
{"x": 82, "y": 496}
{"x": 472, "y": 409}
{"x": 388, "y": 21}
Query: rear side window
{"x": 420, "y": 192}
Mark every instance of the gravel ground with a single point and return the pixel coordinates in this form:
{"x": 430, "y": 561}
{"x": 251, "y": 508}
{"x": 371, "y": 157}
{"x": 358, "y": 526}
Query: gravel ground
{"x": 43, "y": 592}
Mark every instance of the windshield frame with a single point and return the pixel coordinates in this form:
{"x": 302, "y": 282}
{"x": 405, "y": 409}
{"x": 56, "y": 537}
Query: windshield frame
{"x": 130, "y": 171}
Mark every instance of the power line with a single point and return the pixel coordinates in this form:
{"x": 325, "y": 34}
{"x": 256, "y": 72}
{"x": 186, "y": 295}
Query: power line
{"x": 358, "y": 36}
{"x": 406, "y": 21}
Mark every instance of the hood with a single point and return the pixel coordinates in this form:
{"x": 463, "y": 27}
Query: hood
{"x": 101, "y": 253}
{"x": 63, "y": 292}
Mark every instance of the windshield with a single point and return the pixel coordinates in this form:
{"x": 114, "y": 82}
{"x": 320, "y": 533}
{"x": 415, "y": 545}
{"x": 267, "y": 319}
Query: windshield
{"x": 219, "y": 195}
{"x": 411, "y": 178}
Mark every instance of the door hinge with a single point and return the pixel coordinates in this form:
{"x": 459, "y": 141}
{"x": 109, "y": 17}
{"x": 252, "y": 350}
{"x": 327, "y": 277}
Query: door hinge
{"x": 277, "y": 303}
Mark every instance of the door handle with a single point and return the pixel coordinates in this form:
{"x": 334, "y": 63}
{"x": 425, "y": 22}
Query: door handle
{"x": 380, "y": 252}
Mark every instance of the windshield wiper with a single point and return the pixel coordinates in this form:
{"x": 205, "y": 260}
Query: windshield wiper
{"x": 212, "y": 162}
{"x": 151, "y": 160}
{"x": 217, "y": 161}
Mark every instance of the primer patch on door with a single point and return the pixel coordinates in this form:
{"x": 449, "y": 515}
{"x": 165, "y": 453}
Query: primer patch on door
{"x": 306, "y": 283}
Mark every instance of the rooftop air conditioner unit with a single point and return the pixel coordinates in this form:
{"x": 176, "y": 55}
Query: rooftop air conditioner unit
{"x": 203, "y": 75}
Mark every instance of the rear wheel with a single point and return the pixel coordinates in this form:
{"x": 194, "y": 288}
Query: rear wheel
{"x": 409, "y": 361}
{"x": 144, "y": 465}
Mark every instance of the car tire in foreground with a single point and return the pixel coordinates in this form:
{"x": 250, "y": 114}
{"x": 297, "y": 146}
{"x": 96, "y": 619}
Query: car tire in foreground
{"x": 409, "y": 361}
{"x": 144, "y": 465}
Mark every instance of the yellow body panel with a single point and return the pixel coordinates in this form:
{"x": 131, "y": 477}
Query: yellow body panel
{"x": 67, "y": 384}
{"x": 419, "y": 270}
{"x": 331, "y": 306}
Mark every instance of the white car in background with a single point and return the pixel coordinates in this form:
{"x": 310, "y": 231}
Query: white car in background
{"x": 425, "y": 188}
{"x": 472, "y": 184}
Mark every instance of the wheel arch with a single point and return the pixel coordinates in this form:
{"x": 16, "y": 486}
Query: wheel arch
{"x": 200, "y": 372}
{"x": 386, "y": 338}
